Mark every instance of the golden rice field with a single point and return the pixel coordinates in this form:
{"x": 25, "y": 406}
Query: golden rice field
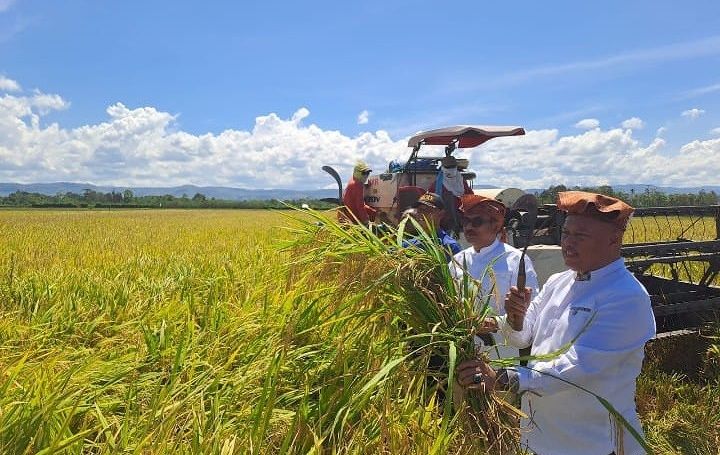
{"x": 191, "y": 332}
{"x": 667, "y": 228}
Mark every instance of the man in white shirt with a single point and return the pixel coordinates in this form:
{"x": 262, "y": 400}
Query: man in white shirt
{"x": 493, "y": 262}
{"x": 593, "y": 320}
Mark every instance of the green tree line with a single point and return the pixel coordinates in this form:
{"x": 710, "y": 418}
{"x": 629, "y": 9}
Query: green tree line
{"x": 126, "y": 199}
{"x": 646, "y": 198}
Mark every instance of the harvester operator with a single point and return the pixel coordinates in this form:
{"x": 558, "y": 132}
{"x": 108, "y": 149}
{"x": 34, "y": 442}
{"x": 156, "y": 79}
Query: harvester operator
{"x": 451, "y": 186}
{"x": 482, "y": 221}
{"x": 597, "y": 318}
{"x": 355, "y": 210}
{"x": 428, "y": 211}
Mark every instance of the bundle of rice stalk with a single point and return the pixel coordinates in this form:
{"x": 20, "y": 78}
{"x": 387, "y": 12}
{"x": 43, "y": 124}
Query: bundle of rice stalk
{"x": 435, "y": 315}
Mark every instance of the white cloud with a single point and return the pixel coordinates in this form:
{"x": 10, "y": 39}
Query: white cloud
{"x": 544, "y": 157}
{"x": 588, "y": 124}
{"x": 660, "y": 131}
{"x": 8, "y": 85}
{"x": 693, "y": 113}
{"x": 299, "y": 115}
{"x": 142, "y": 146}
{"x": 715, "y": 131}
{"x": 45, "y": 103}
{"x": 701, "y": 91}
{"x": 363, "y": 117}
{"x": 633, "y": 123}
{"x": 705, "y": 47}
{"x": 5, "y": 5}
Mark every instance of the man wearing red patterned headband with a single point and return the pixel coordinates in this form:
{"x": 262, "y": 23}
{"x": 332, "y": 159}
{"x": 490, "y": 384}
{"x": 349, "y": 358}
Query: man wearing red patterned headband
{"x": 493, "y": 262}
{"x": 591, "y": 323}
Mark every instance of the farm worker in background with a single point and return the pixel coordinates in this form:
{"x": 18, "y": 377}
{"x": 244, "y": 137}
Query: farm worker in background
{"x": 356, "y": 211}
{"x": 428, "y": 211}
{"x": 600, "y": 316}
{"x": 482, "y": 221}
{"x": 450, "y": 185}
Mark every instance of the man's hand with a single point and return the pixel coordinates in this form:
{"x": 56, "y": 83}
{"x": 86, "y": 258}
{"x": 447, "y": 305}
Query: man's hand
{"x": 516, "y": 305}
{"x": 476, "y": 374}
{"x": 488, "y": 325}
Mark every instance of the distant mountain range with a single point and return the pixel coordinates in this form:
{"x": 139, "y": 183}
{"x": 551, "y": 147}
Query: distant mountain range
{"x": 244, "y": 194}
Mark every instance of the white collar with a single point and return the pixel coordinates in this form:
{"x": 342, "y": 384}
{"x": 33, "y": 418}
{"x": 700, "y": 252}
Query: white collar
{"x": 486, "y": 249}
{"x": 602, "y": 272}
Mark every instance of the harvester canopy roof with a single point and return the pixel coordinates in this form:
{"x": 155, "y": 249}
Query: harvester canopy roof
{"x": 466, "y": 135}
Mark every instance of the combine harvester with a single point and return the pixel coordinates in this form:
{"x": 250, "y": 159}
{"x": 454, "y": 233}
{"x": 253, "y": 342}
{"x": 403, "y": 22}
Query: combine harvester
{"x": 673, "y": 251}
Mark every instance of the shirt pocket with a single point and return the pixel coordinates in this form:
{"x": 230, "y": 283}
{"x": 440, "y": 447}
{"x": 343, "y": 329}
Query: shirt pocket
{"x": 578, "y": 317}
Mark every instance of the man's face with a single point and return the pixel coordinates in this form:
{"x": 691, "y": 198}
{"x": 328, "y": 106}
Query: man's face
{"x": 451, "y": 173}
{"x": 589, "y": 244}
{"x": 480, "y": 229}
{"x": 428, "y": 217}
{"x": 361, "y": 176}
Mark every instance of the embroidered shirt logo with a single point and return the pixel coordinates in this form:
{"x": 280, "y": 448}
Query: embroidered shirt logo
{"x": 578, "y": 309}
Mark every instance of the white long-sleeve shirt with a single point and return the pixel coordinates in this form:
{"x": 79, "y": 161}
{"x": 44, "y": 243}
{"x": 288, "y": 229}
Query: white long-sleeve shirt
{"x": 505, "y": 261}
{"x": 606, "y": 320}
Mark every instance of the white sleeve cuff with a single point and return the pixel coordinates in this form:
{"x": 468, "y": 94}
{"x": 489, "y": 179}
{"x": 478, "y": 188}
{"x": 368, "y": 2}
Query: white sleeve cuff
{"x": 513, "y": 338}
{"x": 527, "y": 379}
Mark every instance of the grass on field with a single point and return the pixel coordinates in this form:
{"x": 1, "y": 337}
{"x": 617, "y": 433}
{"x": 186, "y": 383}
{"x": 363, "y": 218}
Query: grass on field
{"x": 186, "y": 332}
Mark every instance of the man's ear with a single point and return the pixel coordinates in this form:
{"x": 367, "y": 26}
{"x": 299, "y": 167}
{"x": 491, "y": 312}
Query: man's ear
{"x": 499, "y": 225}
{"x": 616, "y": 237}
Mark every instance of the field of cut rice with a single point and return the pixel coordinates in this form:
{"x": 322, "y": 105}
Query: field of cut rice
{"x": 196, "y": 332}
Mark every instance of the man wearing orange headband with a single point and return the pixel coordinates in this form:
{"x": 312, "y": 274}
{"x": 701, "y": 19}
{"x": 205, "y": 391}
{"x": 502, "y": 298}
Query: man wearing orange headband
{"x": 482, "y": 221}
{"x": 598, "y": 317}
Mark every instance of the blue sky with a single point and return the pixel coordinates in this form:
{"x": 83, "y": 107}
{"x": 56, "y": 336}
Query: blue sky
{"x": 260, "y": 94}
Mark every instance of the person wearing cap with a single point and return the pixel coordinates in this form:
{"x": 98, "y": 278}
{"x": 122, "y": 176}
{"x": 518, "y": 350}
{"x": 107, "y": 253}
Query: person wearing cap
{"x": 428, "y": 211}
{"x": 451, "y": 186}
{"x": 592, "y": 322}
{"x": 356, "y": 211}
{"x": 493, "y": 262}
